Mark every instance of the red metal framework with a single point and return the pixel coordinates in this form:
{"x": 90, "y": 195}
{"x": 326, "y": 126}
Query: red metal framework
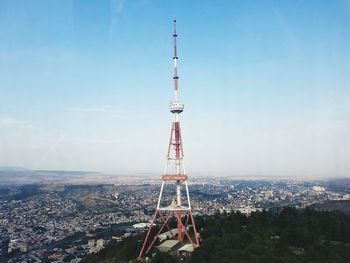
{"x": 175, "y": 142}
{"x": 174, "y": 175}
{"x": 147, "y": 246}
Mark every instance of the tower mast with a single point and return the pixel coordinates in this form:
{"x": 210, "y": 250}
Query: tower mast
{"x": 174, "y": 174}
{"x": 178, "y": 143}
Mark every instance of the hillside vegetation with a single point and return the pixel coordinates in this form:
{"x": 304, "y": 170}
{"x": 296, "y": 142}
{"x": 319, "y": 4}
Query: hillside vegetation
{"x": 287, "y": 235}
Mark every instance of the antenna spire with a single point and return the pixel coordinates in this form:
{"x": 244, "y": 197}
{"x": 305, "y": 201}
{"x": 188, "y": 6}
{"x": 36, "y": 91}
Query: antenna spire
{"x": 175, "y": 58}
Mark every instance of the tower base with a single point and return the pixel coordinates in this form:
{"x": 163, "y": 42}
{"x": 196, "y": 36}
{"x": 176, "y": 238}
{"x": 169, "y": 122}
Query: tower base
{"x": 182, "y": 233}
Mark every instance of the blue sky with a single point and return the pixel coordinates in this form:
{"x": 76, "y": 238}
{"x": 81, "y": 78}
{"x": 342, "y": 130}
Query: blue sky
{"x": 85, "y": 85}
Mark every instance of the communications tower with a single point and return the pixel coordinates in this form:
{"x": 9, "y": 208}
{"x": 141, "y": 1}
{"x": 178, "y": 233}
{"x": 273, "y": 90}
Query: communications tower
{"x": 171, "y": 204}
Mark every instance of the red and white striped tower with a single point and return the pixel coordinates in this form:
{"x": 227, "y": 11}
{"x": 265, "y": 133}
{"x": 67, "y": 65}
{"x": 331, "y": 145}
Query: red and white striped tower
{"x": 174, "y": 175}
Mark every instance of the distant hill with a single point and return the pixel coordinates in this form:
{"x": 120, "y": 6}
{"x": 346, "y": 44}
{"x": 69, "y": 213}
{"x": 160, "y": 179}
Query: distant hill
{"x": 19, "y": 175}
{"x": 12, "y": 168}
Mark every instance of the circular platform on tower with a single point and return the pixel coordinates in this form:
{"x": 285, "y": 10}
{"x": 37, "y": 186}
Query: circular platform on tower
{"x": 176, "y": 107}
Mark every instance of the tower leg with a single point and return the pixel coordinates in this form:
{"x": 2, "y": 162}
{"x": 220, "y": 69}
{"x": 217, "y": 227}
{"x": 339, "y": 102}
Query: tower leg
{"x": 179, "y": 226}
{"x": 148, "y": 232}
{"x": 160, "y": 230}
{"x": 178, "y": 213}
{"x": 186, "y": 233}
{"x": 194, "y": 228}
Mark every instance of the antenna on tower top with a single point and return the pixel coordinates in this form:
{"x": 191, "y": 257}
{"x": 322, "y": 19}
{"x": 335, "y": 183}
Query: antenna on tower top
{"x": 174, "y": 26}
{"x": 175, "y": 77}
{"x": 175, "y": 36}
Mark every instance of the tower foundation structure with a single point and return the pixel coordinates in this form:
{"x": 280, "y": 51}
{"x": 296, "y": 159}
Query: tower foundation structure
{"x": 172, "y": 206}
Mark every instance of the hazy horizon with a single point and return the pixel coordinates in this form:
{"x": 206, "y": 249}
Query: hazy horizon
{"x": 80, "y": 176}
{"x": 85, "y": 86}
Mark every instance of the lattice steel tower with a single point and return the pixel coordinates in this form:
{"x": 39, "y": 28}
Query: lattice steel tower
{"x": 175, "y": 176}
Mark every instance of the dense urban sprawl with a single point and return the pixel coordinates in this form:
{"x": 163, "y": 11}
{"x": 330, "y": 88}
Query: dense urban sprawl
{"x": 51, "y": 224}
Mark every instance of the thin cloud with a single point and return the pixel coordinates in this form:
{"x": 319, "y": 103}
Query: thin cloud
{"x": 117, "y": 6}
{"x": 9, "y": 122}
{"x": 102, "y": 109}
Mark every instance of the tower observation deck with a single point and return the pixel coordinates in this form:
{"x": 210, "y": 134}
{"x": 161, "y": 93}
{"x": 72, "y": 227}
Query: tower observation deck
{"x": 176, "y": 107}
{"x": 173, "y": 204}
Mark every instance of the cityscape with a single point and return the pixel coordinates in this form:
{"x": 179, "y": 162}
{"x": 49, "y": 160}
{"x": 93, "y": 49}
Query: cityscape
{"x": 61, "y": 222}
